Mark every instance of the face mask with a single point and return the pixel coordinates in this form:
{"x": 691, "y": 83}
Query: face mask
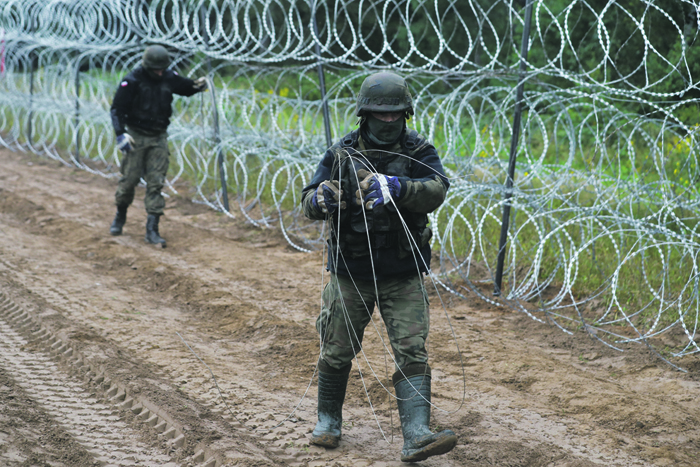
{"x": 384, "y": 133}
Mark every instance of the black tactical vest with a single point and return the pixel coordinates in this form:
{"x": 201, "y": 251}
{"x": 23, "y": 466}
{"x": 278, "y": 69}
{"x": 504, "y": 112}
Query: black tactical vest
{"x": 381, "y": 227}
{"x": 151, "y": 106}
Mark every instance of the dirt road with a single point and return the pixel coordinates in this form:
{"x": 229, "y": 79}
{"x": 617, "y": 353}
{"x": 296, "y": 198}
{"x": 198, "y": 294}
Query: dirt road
{"x": 95, "y": 367}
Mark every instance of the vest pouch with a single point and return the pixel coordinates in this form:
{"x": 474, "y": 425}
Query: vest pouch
{"x": 382, "y": 220}
{"x": 425, "y": 236}
{"x": 360, "y": 222}
{"x": 419, "y": 238}
{"x": 353, "y": 238}
{"x": 144, "y": 103}
{"x": 350, "y": 246}
{"x": 354, "y": 246}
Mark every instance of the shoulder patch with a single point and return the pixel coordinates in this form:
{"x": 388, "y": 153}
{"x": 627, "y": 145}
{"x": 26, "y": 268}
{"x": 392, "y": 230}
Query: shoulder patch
{"x": 124, "y": 83}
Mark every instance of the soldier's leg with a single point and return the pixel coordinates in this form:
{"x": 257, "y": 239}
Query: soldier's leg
{"x": 157, "y": 160}
{"x": 346, "y": 311}
{"x": 405, "y": 309}
{"x": 131, "y": 169}
{"x": 403, "y": 304}
{"x": 344, "y": 316}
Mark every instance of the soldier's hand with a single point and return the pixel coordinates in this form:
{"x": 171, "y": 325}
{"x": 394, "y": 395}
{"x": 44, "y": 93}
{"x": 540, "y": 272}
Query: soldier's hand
{"x": 376, "y": 189}
{"x": 364, "y": 177}
{"x": 327, "y": 197}
{"x": 200, "y": 84}
{"x": 125, "y": 142}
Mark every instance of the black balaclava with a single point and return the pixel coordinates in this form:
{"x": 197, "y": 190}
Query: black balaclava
{"x": 382, "y": 133}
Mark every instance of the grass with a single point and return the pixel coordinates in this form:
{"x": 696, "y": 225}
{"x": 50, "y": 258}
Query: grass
{"x": 638, "y": 273}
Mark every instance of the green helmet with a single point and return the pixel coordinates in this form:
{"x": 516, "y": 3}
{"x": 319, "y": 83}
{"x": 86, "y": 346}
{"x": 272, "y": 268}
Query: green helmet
{"x": 155, "y": 57}
{"x": 384, "y": 92}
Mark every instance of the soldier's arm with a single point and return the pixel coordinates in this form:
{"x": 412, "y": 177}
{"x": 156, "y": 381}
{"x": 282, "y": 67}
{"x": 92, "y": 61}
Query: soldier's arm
{"x": 426, "y": 188}
{"x": 323, "y": 173}
{"x": 120, "y": 105}
{"x": 182, "y": 86}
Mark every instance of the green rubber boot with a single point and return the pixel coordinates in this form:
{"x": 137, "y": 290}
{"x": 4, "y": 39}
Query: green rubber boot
{"x": 331, "y": 395}
{"x": 413, "y": 398}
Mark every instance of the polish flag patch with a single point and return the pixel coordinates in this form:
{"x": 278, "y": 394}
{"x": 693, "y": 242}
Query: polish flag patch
{"x": 124, "y": 83}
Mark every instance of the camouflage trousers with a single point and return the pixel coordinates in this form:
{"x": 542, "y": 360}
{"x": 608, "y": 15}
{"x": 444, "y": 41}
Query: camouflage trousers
{"x": 348, "y": 305}
{"x": 149, "y": 158}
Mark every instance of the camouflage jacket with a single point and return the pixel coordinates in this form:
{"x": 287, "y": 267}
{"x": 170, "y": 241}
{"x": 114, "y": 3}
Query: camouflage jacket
{"x": 392, "y": 239}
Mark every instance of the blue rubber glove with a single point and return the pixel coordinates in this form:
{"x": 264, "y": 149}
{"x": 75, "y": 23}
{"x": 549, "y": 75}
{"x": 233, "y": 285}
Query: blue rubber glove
{"x": 124, "y": 142}
{"x": 326, "y": 198}
{"x": 378, "y": 189}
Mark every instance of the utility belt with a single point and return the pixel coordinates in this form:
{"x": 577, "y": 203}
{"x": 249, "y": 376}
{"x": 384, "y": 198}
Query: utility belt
{"x": 141, "y": 131}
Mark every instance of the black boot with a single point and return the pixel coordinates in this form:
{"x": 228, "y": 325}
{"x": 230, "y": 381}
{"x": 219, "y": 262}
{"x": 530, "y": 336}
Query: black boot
{"x": 413, "y": 398}
{"x": 331, "y": 395}
{"x": 119, "y": 221}
{"x": 152, "y": 235}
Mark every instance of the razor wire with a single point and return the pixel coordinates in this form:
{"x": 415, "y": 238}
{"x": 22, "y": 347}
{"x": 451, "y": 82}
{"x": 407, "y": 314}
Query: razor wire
{"x": 604, "y": 232}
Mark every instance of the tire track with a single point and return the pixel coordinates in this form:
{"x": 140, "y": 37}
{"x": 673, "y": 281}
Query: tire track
{"x": 30, "y": 436}
{"x": 100, "y": 401}
{"x": 96, "y": 426}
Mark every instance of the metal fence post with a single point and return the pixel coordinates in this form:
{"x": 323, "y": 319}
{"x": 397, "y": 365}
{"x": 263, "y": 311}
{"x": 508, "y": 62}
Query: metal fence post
{"x": 77, "y": 113}
{"x": 217, "y": 137}
{"x": 30, "y": 118}
{"x": 513, "y": 149}
{"x": 321, "y": 80}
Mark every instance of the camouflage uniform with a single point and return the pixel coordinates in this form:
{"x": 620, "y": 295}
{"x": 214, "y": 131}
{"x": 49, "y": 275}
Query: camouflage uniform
{"x": 143, "y": 106}
{"x": 403, "y": 304}
{"x": 376, "y": 245}
{"x": 376, "y": 187}
{"x": 149, "y": 158}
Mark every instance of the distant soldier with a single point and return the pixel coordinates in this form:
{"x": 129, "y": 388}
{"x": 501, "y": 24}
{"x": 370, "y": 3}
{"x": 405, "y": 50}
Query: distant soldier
{"x": 376, "y": 187}
{"x": 141, "y": 113}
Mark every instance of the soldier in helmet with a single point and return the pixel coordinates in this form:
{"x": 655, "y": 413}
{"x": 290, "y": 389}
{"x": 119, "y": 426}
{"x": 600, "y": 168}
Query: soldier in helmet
{"x": 375, "y": 187}
{"x": 141, "y": 113}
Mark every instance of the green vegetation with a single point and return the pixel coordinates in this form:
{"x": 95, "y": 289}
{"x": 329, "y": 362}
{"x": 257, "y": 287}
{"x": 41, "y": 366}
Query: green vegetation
{"x": 629, "y": 155}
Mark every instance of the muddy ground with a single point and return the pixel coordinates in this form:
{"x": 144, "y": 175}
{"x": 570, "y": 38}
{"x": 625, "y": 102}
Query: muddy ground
{"x": 517, "y": 392}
